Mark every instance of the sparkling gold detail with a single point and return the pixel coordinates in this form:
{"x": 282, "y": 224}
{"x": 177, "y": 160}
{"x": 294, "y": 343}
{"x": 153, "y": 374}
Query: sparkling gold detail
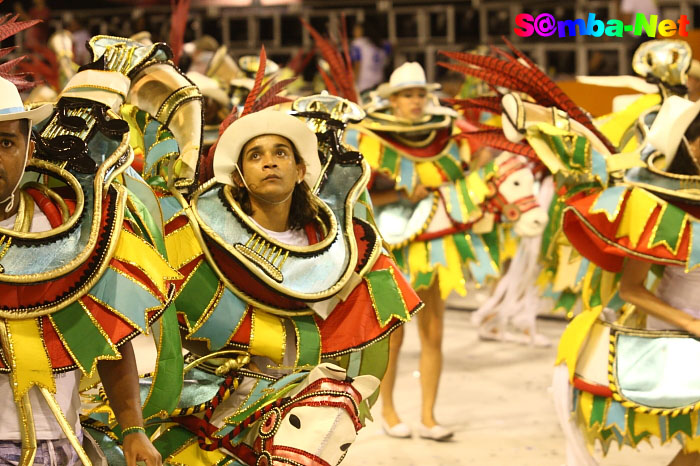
{"x": 176, "y": 99}
{"x": 261, "y": 261}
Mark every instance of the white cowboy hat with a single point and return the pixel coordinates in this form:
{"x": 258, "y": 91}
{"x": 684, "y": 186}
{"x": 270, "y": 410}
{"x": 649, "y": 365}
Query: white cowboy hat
{"x": 209, "y": 88}
{"x": 673, "y": 119}
{"x": 406, "y": 76}
{"x": 12, "y": 108}
{"x": 256, "y": 124}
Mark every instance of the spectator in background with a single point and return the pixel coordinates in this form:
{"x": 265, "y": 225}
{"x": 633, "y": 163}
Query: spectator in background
{"x": 369, "y": 54}
{"x": 80, "y": 34}
{"x": 201, "y": 52}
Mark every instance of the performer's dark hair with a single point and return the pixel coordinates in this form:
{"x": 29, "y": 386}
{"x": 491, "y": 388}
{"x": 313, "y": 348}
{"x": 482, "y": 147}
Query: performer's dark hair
{"x": 683, "y": 162}
{"x": 24, "y": 125}
{"x": 304, "y": 208}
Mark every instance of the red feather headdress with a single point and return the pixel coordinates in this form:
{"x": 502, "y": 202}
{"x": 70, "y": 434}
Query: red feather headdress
{"x": 178, "y": 23}
{"x": 341, "y": 82}
{"x": 520, "y": 74}
{"x": 9, "y": 26}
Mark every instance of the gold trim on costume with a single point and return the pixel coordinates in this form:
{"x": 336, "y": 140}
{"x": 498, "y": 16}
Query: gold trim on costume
{"x": 173, "y": 101}
{"x": 370, "y": 132}
{"x": 65, "y": 427}
{"x": 72, "y": 182}
{"x": 631, "y": 252}
{"x": 99, "y": 193}
{"x": 41, "y": 310}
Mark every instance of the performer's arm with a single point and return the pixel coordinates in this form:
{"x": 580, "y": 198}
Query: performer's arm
{"x": 121, "y": 382}
{"x": 633, "y": 291}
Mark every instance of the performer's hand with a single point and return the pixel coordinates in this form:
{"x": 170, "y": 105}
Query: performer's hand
{"x": 137, "y": 447}
{"x": 420, "y": 192}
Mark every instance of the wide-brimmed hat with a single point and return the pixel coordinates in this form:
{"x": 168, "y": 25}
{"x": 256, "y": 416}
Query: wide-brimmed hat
{"x": 231, "y": 143}
{"x": 406, "y": 76}
{"x": 12, "y": 108}
{"x": 672, "y": 121}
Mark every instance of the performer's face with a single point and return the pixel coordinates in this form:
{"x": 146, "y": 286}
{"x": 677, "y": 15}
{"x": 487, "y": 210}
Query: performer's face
{"x": 409, "y": 103}
{"x": 270, "y": 168}
{"x": 13, "y": 147}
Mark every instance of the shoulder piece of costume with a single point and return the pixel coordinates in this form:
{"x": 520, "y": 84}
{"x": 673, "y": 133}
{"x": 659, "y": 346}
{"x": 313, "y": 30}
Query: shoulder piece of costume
{"x": 618, "y": 205}
{"x": 666, "y": 64}
{"x": 157, "y": 88}
{"x": 645, "y": 212}
{"x": 239, "y": 279}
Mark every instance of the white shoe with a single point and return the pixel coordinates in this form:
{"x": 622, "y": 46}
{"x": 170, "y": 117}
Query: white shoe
{"x": 400, "y": 430}
{"x": 437, "y": 432}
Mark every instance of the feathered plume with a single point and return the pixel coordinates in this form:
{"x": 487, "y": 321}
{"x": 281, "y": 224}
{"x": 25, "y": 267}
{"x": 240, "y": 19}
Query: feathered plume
{"x": 260, "y": 97}
{"x": 341, "y": 82}
{"x": 9, "y": 26}
{"x": 520, "y": 74}
{"x": 178, "y": 23}
{"x": 42, "y": 63}
{"x": 493, "y": 137}
{"x": 301, "y": 60}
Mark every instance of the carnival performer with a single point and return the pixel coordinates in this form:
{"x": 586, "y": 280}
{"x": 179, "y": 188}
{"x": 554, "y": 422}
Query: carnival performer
{"x": 281, "y": 275}
{"x": 621, "y": 378}
{"x": 78, "y": 280}
{"x": 654, "y": 401}
{"x": 407, "y": 138}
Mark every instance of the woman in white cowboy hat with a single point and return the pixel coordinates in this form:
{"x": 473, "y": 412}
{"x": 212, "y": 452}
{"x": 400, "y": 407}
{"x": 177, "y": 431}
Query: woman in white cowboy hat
{"x": 406, "y": 138}
{"x": 27, "y": 209}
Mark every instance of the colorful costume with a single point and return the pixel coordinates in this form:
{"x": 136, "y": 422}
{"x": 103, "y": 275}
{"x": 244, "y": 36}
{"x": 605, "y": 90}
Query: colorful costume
{"x": 245, "y": 292}
{"x": 75, "y": 293}
{"x": 650, "y": 215}
{"x": 453, "y": 226}
{"x": 622, "y": 383}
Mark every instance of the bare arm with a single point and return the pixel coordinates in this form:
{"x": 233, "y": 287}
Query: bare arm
{"x": 121, "y": 382}
{"x": 633, "y": 291}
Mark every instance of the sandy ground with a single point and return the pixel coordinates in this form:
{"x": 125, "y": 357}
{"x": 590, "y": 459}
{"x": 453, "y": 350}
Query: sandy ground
{"x": 496, "y": 398}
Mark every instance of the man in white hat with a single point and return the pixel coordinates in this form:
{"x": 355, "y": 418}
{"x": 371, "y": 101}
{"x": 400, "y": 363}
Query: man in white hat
{"x": 119, "y": 377}
{"x": 312, "y": 260}
{"x": 273, "y": 166}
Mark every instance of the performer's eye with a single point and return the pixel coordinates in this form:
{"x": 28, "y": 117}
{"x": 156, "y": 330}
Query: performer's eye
{"x": 6, "y": 143}
{"x": 295, "y": 421}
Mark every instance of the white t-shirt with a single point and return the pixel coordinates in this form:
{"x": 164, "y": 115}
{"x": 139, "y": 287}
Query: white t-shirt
{"x": 67, "y": 396}
{"x": 371, "y": 59}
